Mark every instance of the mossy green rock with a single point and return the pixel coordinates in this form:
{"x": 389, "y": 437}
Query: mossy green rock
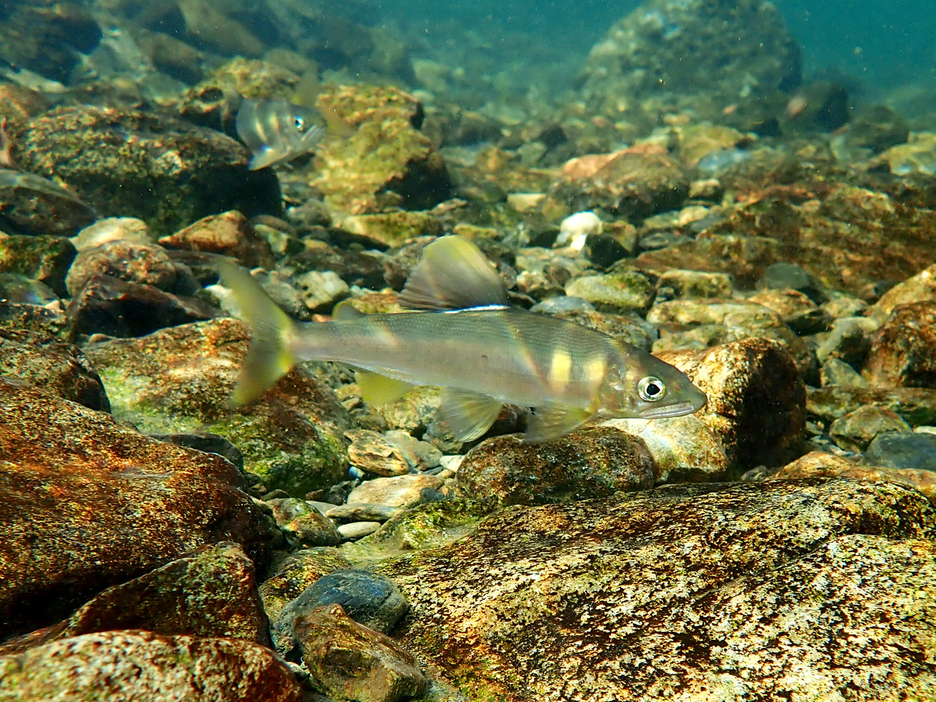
{"x": 627, "y": 291}
{"x": 686, "y": 593}
{"x": 179, "y": 379}
{"x": 135, "y": 164}
{"x": 42, "y": 258}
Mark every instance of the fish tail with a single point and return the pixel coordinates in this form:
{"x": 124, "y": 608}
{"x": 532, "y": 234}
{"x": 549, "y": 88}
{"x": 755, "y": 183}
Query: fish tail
{"x": 270, "y": 355}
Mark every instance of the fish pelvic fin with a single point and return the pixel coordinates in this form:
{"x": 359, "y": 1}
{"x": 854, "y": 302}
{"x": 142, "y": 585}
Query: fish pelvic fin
{"x": 468, "y": 414}
{"x": 553, "y": 420}
{"x": 453, "y": 275}
{"x": 270, "y": 356}
{"x": 378, "y": 389}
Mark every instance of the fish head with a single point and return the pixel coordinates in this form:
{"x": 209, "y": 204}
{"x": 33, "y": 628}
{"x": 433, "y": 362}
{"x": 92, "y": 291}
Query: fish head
{"x": 276, "y": 131}
{"x": 645, "y": 387}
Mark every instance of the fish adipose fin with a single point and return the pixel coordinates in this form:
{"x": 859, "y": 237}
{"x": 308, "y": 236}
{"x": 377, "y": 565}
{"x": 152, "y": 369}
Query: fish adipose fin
{"x": 553, "y": 420}
{"x": 468, "y": 414}
{"x": 453, "y": 275}
{"x": 378, "y": 389}
{"x": 269, "y": 357}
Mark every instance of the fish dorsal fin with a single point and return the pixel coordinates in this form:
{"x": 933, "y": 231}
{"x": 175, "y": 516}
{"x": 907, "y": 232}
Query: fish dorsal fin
{"x": 553, "y": 420}
{"x": 452, "y": 275}
{"x": 378, "y": 389}
{"x": 468, "y": 414}
{"x": 344, "y": 311}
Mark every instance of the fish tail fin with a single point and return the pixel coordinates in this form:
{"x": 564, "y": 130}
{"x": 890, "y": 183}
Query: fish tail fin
{"x": 270, "y": 355}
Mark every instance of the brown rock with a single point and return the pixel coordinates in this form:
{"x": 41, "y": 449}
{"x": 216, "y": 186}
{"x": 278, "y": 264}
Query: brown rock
{"x": 139, "y": 665}
{"x": 89, "y": 503}
{"x": 903, "y": 350}
{"x": 136, "y": 262}
{"x": 228, "y": 233}
{"x": 349, "y": 661}
{"x": 61, "y": 369}
{"x": 592, "y": 462}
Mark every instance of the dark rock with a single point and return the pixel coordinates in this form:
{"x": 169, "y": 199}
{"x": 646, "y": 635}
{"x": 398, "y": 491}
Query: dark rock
{"x": 711, "y": 582}
{"x": 848, "y": 340}
{"x": 211, "y": 593}
{"x": 916, "y": 406}
{"x": 903, "y": 449}
{"x": 209, "y": 443}
{"x": 107, "y": 305}
{"x": 178, "y": 172}
{"x": 20, "y": 289}
{"x": 348, "y": 661}
{"x": 903, "y": 351}
{"x": 791, "y": 276}
{"x": 61, "y": 369}
{"x": 877, "y": 128}
{"x": 130, "y": 261}
{"x": 44, "y": 258}
{"x": 370, "y": 599}
{"x": 180, "y": 378}
{"x": 855, "y": 430}
{"x": 89, "y": 503}
{"x": 138, "y": 665}
{"x": 592, "y": 462}
{"x": 300, "y": 570}
{"x": 38, "y": 206}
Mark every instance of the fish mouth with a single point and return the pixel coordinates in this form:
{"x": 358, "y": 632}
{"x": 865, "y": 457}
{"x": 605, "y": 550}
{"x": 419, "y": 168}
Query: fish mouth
{"x": 676, "y": 410}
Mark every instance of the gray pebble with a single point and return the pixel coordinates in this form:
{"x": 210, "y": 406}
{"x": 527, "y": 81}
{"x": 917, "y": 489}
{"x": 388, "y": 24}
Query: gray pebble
{"x": 357, "y": 530}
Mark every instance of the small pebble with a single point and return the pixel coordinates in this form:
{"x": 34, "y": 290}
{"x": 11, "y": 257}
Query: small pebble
{"x": 357, "y": 530}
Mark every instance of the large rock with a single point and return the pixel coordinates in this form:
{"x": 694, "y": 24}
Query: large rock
{"x": 903, "y": 350}
{"x": 126, "y": 163}
{"x": 37, "y": 206}
{"x": 138, "y": 665}
{"x": 87, "y": 503}
{"x": 792, "y": 589}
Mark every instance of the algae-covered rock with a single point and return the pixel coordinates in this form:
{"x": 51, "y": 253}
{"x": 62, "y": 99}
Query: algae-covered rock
{"x": 619, "y": 292}
{"x": 685, "y": 592}
{"x": 180, "y": 379}
{"x": 33, "y": 205}
{"x": 127, "y": 163}
{"x": 44, "y": 258}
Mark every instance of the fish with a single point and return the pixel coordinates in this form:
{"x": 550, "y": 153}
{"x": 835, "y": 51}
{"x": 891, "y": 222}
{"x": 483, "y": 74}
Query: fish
{"x": 460, "y": 334}
{"x": 276, "y": 131}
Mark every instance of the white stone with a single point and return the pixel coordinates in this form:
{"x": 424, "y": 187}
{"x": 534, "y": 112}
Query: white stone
{"x": 398, "y": 491}
{"x": 575, "y": 228}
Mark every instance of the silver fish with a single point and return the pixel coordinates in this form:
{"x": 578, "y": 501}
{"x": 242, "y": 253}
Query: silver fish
{"x": 468, "y": 341}
{"x": 276, "y": 131}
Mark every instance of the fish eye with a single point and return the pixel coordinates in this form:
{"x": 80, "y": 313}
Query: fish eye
{"x": 651, "y": 389}
{"x": 299, "y": 122}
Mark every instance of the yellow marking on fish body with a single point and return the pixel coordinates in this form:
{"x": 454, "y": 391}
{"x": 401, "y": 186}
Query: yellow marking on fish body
{"x": 596, "y": 369}
{"x": 560, "y": 368}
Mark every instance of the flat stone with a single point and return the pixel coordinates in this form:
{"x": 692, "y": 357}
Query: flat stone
{"x": 358, "y": 511}
{"x": 358, "y": 530}
{"x": 903, "y": 449}
{"x": 398, "y": 491}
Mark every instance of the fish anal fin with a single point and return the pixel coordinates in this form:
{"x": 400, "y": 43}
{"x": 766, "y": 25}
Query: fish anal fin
{"x": 452, "y": 275}
{"x": 378, "y": 389}
{"x": 468, "y": 414}
{"x": 553, "y": 420}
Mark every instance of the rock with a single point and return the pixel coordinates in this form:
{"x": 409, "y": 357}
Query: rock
{"x": 731, "y": 585}
{"x": 321, "y": 290}
{"x": 180, "y": 378}
{"x": 398, "y": 491}
{"x": 228, "y": 233}
{"x": 374, "y": 453}
{"x": 616, "y": 293}
{"x": 144, "y": 263}
{"x": 114, "y": 307}
{"x": 178, "y": 173}
{"x": 902, "y": 352}
{"x": 848, "y": 340}
{"x": 210, "y": 593}
{"x": 358, "y": 530}
{"x": 836, "y": 372}
{"x": 918, "y": 288}
{"x": 816, "y": 464}
{"x": 358, "y": 512}
{"x": 32, "y": 205}
{"x": 304, "y": 522}
{"x": 576, "y": 228}
{"x": 20, "y": 289}
{"x": 632, "y": 184}
{"x": 918, "y": 155}
{"x": 796, "y": 310}
{"x": 119, "y": 503}
{"x": 756, "y": 399}
{"x": 392, "y": 228}
{"x": 61, "y": 369}
{"x": 591, "y": 462}
{"x": 298, "y": 572}
{"x": 877, "y": 128}
{"x": 855, "y": 430}
{"x": 370, "y": 599}
{"x": 45, "y": 259}
{"x": 693, "y": 284}
{"x": 386, "y": 163}
{"x": 348, "y": 661}
{"x": 903, "y": 449}
{"x": 134, "y": 665}
{"x": 684, "y": 449}
{"x": 915, "y": 406}
{"x": 110, "y": 229}
{"x": 28, "y": 323}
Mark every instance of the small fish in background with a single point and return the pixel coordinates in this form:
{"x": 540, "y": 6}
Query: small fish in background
{"x": 483, "y": 353}
{"x": 276, "y": 131}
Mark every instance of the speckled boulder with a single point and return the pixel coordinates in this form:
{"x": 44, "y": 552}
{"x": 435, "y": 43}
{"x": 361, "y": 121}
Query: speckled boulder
{"x": 179, "y": 379}
{"x": 164, "y": 171}
{"x": 135, "y": 665}
{"x": 61, "y": 369}
{"x": 903, "y": 350}
{"x": 88, "y": 503}
{"x": 592, "y": 462}
{"x": 705, "y": 592}
{"x": 386, "y": 162}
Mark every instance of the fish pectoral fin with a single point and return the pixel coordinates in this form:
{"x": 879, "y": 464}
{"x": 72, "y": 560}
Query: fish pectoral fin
{"x": 468, "y": 414}
{"x": 344, "y": 311}
{"x": 378, "y": 389}
{"x": 263, "y": 158}
{"x": 553, "y": 420}
{"x": 453, "y": 275}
